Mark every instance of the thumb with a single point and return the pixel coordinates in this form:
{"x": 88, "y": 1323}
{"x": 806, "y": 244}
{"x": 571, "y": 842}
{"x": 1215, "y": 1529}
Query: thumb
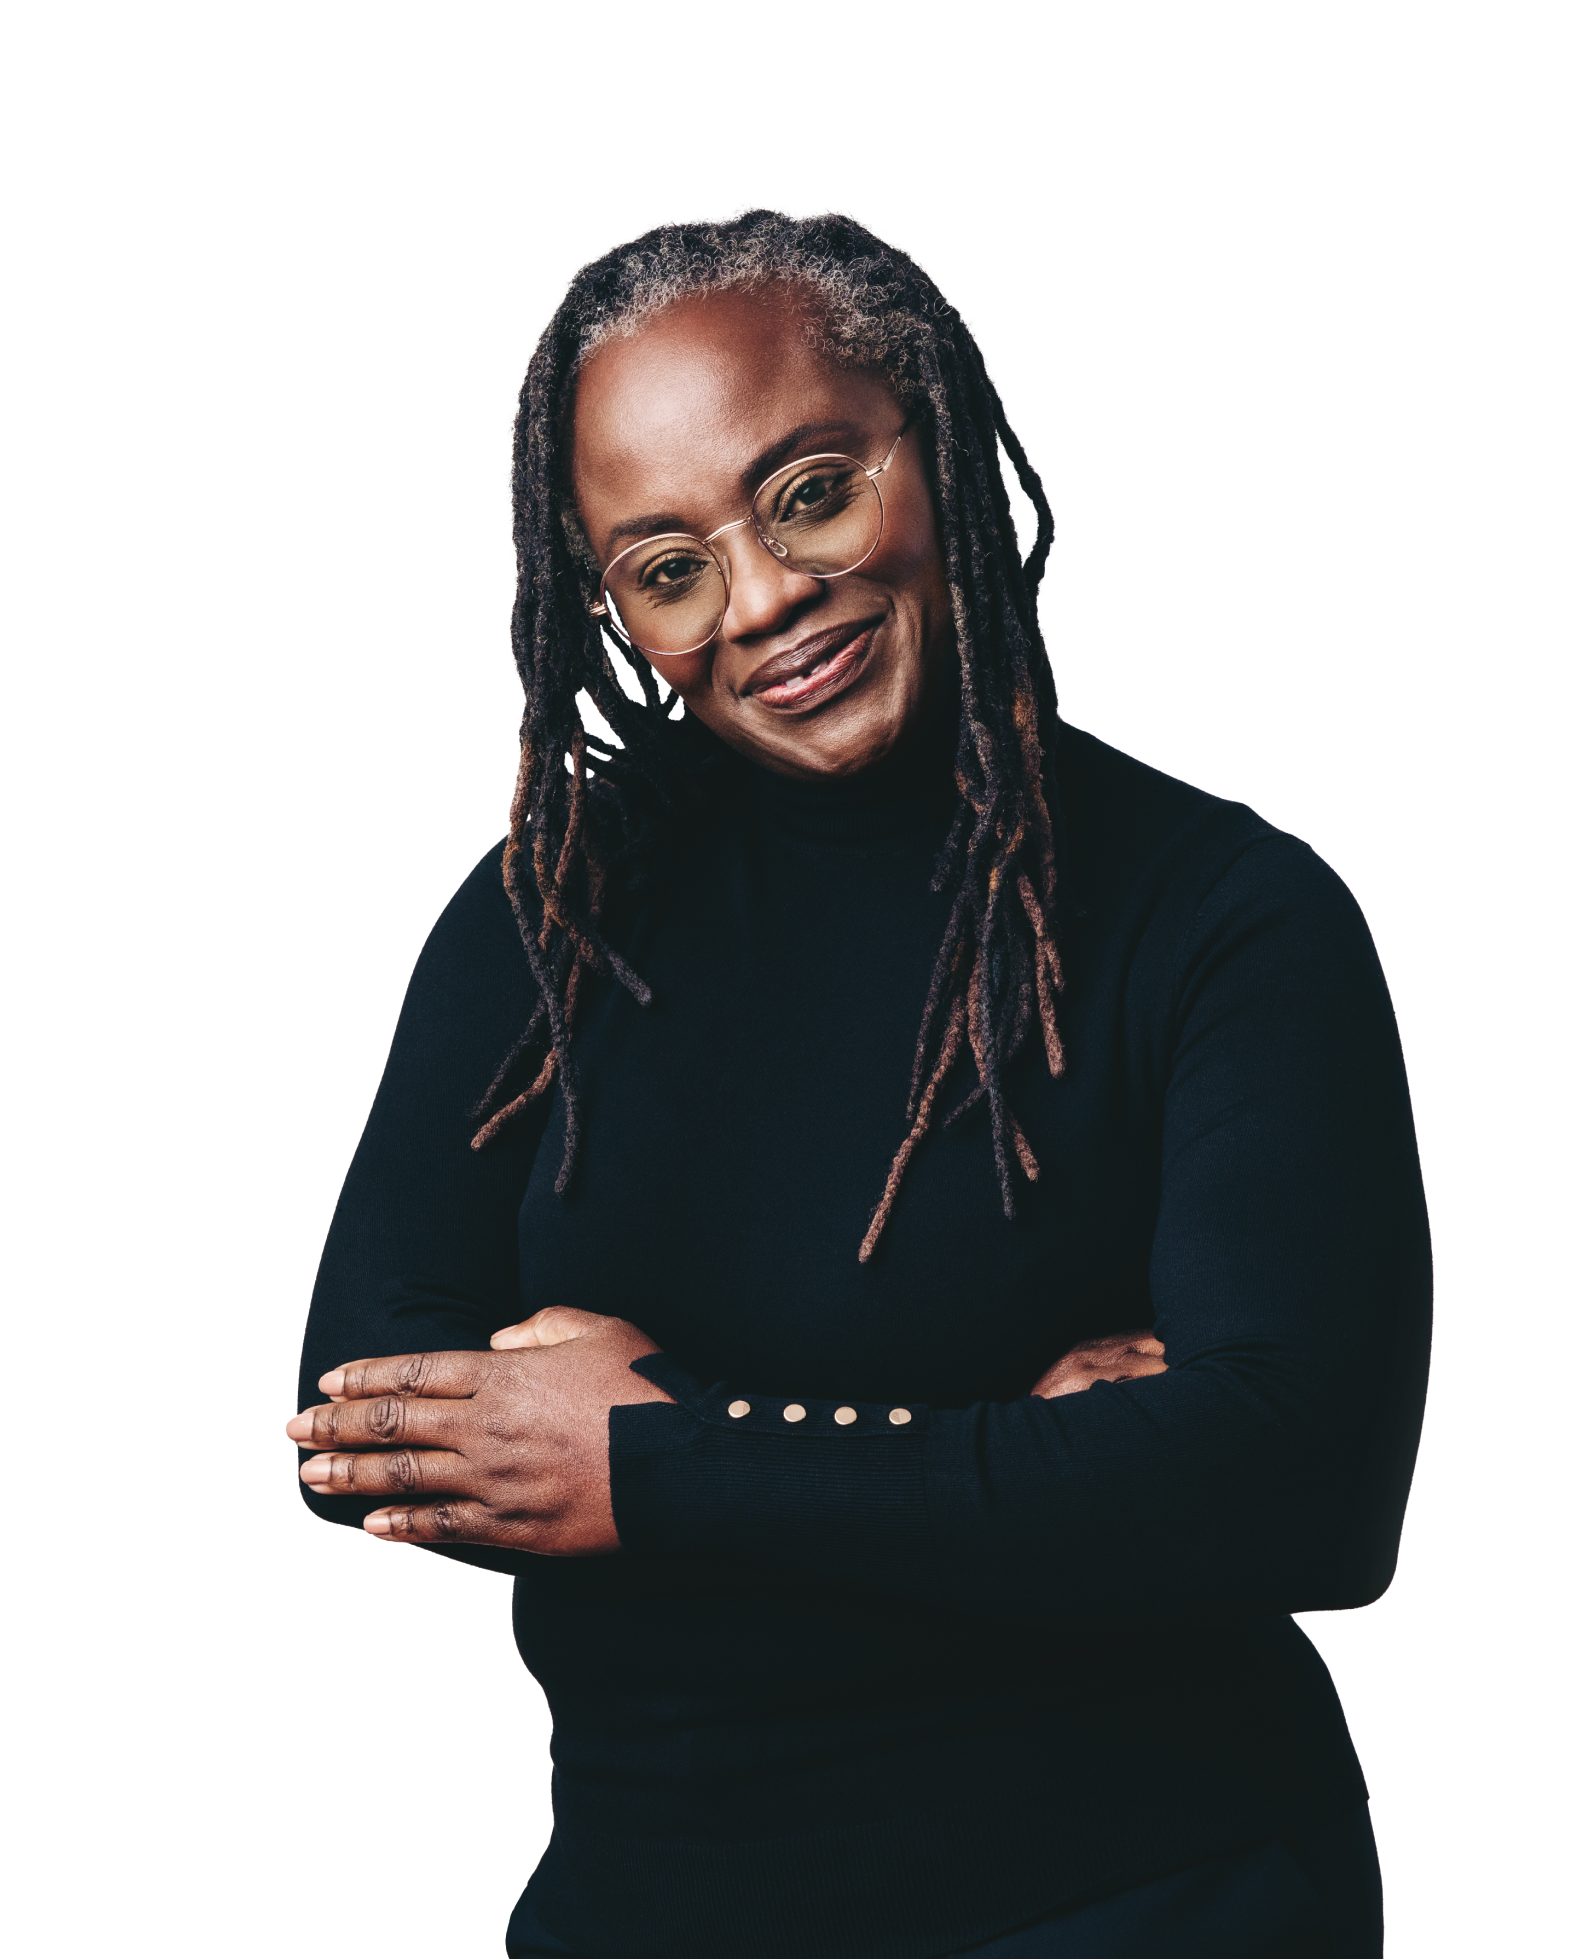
{"x": 548, "y": 1328}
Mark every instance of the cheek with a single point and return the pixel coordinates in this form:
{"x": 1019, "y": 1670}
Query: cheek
{"x": 688, "y": 674}
{"x": 910, "y": 557}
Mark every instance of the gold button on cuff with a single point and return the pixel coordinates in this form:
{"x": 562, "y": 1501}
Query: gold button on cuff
{"x": 898, "y": 1417}
{"x": 738, "y": 1409}
{"x": 793, "y": 1412}
{"x": 843, "y": 1416}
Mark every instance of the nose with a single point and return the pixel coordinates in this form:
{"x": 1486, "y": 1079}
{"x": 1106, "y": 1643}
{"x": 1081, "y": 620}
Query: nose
{"x": 764, "y": 595}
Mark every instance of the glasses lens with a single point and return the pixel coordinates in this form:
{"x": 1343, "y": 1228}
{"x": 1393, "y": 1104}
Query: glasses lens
{"x": 666, "y": 594}
{"x": 822, "y": 516}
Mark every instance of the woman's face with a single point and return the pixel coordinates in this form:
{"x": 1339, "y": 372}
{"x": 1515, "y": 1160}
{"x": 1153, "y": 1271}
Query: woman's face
{"x": 674, "y": 429}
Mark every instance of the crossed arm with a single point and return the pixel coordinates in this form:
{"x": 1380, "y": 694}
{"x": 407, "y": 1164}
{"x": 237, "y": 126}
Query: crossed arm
{"x": 1267, "y": 1468}
{"x": 509, "y": 1448}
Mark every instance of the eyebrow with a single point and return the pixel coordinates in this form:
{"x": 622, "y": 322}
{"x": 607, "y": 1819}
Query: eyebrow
{"x": 658, "y": 523}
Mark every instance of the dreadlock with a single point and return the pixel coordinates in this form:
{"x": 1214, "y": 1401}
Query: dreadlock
{"x": 586, "y": 813}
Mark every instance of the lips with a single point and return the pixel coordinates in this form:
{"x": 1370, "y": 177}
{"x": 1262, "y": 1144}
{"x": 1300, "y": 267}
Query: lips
{"x": 814, "y": 669}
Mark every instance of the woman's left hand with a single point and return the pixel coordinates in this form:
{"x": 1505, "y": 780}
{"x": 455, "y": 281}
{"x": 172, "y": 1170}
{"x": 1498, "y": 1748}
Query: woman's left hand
{"x": 1115, "y": 1357}
{"x": 507, "y": 1448}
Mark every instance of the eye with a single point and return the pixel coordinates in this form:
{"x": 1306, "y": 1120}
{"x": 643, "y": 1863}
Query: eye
{"x": 816, "y": 495}
{"x": 671, "y": 569}
{"x": 812, "y": 491}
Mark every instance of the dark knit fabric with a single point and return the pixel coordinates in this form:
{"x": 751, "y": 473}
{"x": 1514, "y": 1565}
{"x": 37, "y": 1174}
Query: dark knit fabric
{"x": 891, "y": 1688}
{"x": 1313, "y": 1895}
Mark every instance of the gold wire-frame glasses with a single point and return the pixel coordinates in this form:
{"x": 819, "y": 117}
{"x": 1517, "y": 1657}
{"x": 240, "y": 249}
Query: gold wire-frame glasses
{"x": 821, "y": 516}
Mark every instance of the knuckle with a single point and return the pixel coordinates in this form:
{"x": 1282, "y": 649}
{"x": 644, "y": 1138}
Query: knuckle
{"x": 386, "y": 1418}
{"x": 404, "y": 1470}
{"x": 448, "y": 1519}
{"x": 414, "y": 1372}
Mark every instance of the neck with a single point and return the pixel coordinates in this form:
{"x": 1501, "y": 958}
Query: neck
{"x": 912, "y": 785}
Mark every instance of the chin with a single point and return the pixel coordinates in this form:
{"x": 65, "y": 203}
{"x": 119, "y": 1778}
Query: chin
{"x": 850, "y": 750}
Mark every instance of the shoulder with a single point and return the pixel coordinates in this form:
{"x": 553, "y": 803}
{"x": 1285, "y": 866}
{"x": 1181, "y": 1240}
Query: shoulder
{"x": 473, "y": 953}
{"x": 1285, "y": 921}
{"x": 1125, "y": 821}
{"x": 480, "y": 903}
{"x": 1173, "y": 865}
{"x": 477, "y": 922}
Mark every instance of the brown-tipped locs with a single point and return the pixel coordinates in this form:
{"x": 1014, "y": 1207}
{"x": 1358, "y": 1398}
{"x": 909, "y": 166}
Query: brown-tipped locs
{"x": 575, "y": 831}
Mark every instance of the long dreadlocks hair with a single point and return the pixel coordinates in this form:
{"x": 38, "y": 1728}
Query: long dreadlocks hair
{"x": 586, "y": 813}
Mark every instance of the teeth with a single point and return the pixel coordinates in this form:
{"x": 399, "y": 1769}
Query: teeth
{"x": 805, "y": 673}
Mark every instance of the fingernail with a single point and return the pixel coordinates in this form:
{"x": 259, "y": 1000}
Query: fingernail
{"x": 301, "y": 1428}
{"x": 316, "y": 1470}
{"x": 332, "y": 1383}
{"x": 378, "y": 1523}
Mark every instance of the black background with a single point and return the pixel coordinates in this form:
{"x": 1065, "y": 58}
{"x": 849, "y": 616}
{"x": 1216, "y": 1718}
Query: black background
{"x": 1227, "y": 394}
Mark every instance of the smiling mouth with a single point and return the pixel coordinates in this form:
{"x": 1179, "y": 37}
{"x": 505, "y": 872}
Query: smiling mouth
{"x": 828, "y": 668}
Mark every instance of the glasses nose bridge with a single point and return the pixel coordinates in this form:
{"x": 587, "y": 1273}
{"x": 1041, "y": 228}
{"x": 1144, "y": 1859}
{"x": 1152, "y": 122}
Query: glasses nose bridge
{"x": 775, "y": 551}
{"x": 722, "y": 530}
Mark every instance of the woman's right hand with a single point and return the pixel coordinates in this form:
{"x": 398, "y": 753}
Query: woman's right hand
{"x": 1115, "y": 1357}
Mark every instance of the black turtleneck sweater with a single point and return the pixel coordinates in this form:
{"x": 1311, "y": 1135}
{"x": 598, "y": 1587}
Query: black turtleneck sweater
{"x": 882, "y": 1690}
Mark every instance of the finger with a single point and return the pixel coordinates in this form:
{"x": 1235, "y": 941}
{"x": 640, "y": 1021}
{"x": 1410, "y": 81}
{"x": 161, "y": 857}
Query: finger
{"x": 435, "y": 1523}
{"x": 549, "y": 1328}
{"x": 455, "y": 1374}
{"x": 1078, "y": 1384}
{"x": 385, "y": 1422}
{"x": 395, "y": 1472}
{"x": 1078, "y": 1371}
{"x": 1125, "y": 1367}
{"x": 1069, "y": 1381}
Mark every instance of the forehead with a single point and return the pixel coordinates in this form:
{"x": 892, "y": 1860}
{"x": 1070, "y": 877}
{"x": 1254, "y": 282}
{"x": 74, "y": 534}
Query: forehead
{"x": 682, "y": 407}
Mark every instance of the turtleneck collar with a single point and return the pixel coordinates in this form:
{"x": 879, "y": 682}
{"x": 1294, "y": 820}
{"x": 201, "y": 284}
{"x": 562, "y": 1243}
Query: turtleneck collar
{"x": 911, "y": 788}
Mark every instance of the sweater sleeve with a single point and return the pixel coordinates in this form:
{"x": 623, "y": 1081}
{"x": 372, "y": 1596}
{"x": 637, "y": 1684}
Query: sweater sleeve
{"x": 1268, "y": 1469}
{"x": 423, "y": 1248}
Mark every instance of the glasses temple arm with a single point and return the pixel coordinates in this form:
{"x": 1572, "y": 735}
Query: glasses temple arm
{"x": 890, "y": 454}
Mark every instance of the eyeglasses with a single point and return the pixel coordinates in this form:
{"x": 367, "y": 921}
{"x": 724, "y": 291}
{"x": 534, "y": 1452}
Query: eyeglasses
{"x": 821, "y": 516}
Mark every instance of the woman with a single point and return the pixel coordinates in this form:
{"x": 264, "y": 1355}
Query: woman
{"x": 867, "y": 1059}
